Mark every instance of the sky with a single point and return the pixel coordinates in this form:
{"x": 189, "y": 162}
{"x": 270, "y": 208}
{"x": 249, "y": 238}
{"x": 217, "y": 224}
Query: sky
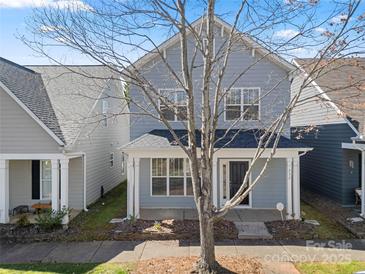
{"x": 14, "y": 13}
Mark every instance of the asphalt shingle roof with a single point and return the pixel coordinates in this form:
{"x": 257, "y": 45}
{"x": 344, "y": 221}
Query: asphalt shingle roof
{"x": 343, "y": 80}
{"x": 29, "y": 88}
{"x": 73, "y": 91}
{"x": 235, "y": 138}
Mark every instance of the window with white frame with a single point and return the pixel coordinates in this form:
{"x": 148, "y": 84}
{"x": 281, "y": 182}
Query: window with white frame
{"x": 170, "y": 177}
{"x": 242, "y": 103}
{"x": 173, "y": 104}
{"x": 105, "y": 107}
{"x": 123, "y": 163}
{"x": 111, "y": 159}
{"x": 46, "y": 179}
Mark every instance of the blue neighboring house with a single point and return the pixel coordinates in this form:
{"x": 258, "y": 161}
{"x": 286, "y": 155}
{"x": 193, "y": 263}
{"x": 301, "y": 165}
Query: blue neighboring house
{"x": 331, "y": 119}
{"x": 158, "y": 172}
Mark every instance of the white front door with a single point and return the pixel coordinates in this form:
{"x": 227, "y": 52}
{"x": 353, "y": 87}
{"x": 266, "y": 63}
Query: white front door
{"x": 232, "y": 173}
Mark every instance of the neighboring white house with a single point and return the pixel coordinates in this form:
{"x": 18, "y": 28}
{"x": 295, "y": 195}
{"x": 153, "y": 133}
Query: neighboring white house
{"x": 58, "y": 135}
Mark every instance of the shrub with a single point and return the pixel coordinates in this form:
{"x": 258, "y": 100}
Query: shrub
{"x": 157, "y": 226}
{"x": 23, "y": 221}
{"x": 52, "y": 219}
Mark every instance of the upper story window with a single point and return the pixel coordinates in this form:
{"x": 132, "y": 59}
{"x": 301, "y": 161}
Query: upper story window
{"x": 105, "y": 107}
{"x": 242, "y": 104}
{"x": 205, "y": 45}
{"x": 111, "y": 159}
{"x": 173, "y": 104}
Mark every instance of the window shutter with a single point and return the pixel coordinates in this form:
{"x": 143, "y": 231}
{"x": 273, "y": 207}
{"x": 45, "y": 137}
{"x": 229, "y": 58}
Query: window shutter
{"x": 35, "y": 179}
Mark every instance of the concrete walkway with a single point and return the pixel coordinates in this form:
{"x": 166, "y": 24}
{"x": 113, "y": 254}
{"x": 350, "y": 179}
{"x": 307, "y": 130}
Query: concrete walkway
{"x": 269, "y": 251}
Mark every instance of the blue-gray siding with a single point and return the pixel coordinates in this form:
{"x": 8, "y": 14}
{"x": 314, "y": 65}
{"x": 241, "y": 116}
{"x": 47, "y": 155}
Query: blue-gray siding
{"x": 270, "y": 190}
{"x": 326, "y": 169}
{"x": 264, "y": 74}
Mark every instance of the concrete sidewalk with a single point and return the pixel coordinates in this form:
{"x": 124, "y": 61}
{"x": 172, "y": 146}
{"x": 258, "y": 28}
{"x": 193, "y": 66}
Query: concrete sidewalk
{"x": 126, "y": 251}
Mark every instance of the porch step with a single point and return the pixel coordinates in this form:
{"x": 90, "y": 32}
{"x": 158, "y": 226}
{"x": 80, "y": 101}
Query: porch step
{"x": 252, "y": 230}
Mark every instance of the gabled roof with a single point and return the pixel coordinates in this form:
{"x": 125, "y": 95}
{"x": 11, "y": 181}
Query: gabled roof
{"x": 248, "y": 40}
{"x": 27, "y": 87}
{"x": 343, "y": 81}
{"x": 236, "y": 138}
{"x": 74, "y": 91}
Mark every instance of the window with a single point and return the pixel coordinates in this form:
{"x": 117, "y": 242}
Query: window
{"x": 105, "y": 107}
{"x": 46, "y": 180}
{"x": 173, "y": 105}
{"x": 170, "y": 177}
{"x": 242, "y": 102}
{"x": 123, "y": 163}
{"x": 111, "y": 160}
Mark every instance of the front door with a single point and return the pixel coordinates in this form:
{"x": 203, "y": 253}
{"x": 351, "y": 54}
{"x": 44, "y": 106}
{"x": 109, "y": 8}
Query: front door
{"x": 232, "y": 175}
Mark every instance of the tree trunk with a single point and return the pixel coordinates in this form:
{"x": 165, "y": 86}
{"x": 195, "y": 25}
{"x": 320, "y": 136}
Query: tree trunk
{"x": 207, "y": 263}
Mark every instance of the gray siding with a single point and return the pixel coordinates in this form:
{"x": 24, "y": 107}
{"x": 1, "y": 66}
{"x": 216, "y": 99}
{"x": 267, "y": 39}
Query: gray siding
{"x": 323, "y": 170}
{"x": 264, "y": 74}
{"x": 270, "y": 190}
{"x": 97, "y": 142}
{"x": 20, "y": 183}
{"x": 76, "y": 184}
{"x": 19, "y": 133}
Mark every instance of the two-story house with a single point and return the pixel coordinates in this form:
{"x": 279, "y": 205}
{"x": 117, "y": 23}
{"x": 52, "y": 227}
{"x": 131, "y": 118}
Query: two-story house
{"x": 58, "y": 136}
{"x": 158, "y": 172}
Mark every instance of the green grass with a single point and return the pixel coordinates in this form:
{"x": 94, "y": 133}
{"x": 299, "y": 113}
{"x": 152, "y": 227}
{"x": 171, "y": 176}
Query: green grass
{"x": 328, "y": 229}
{"x": 329, "y": 268}
{"x": 88, "y": 268}
{"x": 94, "y": 224}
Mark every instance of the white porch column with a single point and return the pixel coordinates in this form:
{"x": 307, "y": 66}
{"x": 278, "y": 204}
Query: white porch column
{"x": 296, "y": 188}
{"x": 130, "y": 186}
{"x": 55, "y": 185}
{"x": 136, "y": 187}
{"x": 289, "y": 188}
{"x": 215, "y": 181}
{"x": 363, "y": 183}
{"x": 4, "y": 191}
{"x": 64, "y": 187}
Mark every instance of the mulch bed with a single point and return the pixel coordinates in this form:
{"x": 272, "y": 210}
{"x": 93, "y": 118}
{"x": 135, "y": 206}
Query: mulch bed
{"x": 126, "y": 231}
{"x": 335, "y": 211}
{"x": 171, "y": 230}
{"x": 293, "y": 229}
{"x": 186, "y": 265}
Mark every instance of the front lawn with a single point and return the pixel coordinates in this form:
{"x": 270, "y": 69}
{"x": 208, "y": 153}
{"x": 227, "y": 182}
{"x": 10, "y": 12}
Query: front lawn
{"x": 328, "y": 228}
{"x": 331, "y": 268}
{"x": 88, "y": 268}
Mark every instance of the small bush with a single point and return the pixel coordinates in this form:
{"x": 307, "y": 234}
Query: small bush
{"x": 157, "y": 226}
{"x": 52, "y": 219}
{"x": 23, "y": 221}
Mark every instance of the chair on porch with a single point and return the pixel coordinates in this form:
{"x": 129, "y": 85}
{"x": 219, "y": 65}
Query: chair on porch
{"x": 358, "y": 196}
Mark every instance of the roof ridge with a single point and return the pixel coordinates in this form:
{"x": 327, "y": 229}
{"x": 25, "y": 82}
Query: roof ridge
{"x": 17, "y": 65}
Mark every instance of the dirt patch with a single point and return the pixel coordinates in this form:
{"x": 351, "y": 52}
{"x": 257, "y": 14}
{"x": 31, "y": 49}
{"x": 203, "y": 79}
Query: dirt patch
{"x": 186, "y": 265}
{"x": 283, "y": 230}
{"x": 170, "y": 230}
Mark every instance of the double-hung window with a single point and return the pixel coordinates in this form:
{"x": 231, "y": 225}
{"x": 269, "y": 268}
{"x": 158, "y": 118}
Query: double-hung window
{"x": 242, "y": 104}
{"x": 46, "y": 180}
{"x": 170, "y": 177}
{"x": 173, "y": 104}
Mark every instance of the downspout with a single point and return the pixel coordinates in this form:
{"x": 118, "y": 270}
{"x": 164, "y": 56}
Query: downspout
{"x": 84, "y": 166}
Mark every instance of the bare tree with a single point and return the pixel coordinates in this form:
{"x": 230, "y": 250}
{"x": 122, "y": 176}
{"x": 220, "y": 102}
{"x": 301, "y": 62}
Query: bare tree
{"x": 117, "y": 33}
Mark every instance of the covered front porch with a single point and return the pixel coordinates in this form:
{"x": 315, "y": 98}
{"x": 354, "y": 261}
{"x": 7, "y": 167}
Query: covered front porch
{"x": 31, "y": 182}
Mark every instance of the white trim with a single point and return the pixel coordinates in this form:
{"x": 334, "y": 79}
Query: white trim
{"x": 4, "y": 191}
{"x": 226, "y": 162}
{"x": 246, "y": 39}
{"x": 130, "y": 186}
{"x": 168, "y": 177}
{"x": 363, "y": 184}
{"x": 353, "y": 146}
{"x": 136, "y": 187}
{"x": 33, "y": 156}
{"x": 175, "y": 106}
{"x": 289, "y": 188}
{"x": 296, "y": 188}
{"x": 215, "y": 181}
{"x": 328, "y": 100}
{"x": 64, "y": 187}
{"x": 55, "y": 185}
{"x": 32, "y": 115}
{"x": 242, "y": 104}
